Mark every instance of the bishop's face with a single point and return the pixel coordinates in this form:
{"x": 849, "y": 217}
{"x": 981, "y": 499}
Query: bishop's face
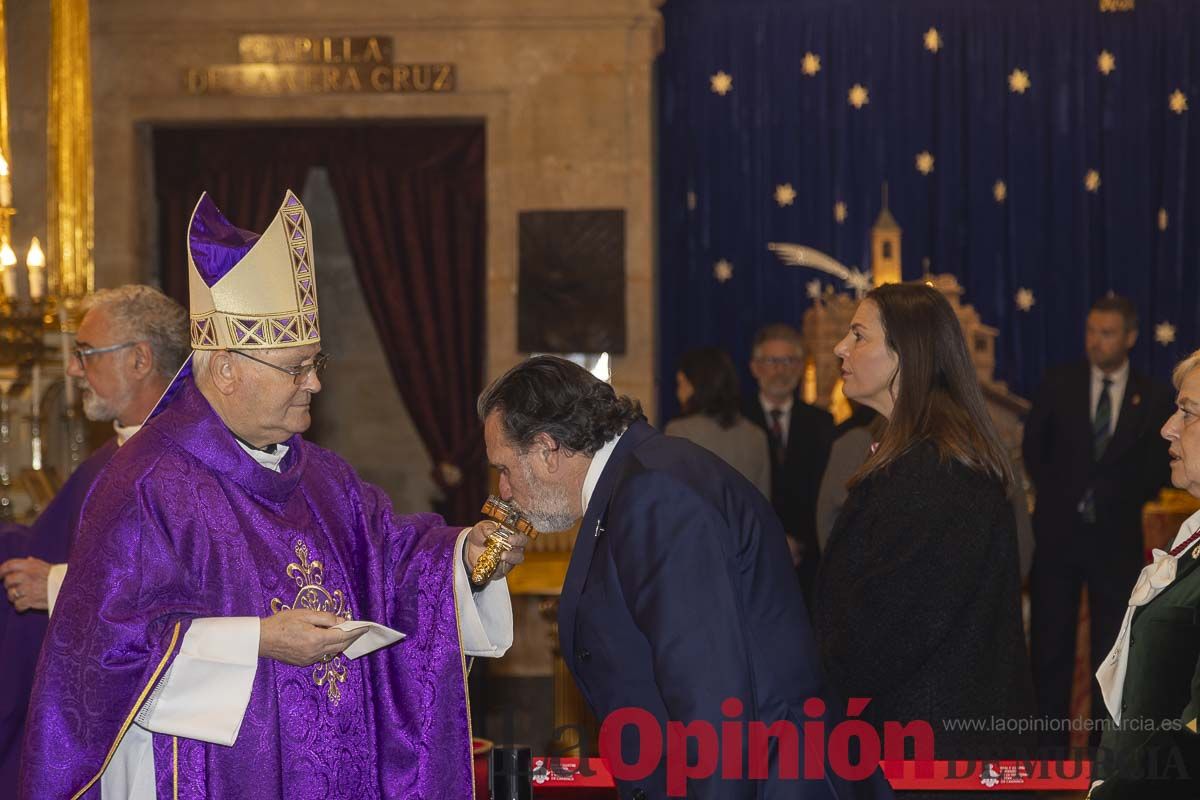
{"x": 275, "y": 406}
{"x": 550, "y": 503}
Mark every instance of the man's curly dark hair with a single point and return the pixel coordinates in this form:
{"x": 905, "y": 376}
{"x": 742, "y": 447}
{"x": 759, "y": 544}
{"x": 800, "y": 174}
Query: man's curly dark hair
{"x": 551, "y": 395}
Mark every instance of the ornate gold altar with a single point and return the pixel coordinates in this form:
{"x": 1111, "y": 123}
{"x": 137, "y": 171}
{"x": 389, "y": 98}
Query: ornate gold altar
{"x": 41, "y": 428}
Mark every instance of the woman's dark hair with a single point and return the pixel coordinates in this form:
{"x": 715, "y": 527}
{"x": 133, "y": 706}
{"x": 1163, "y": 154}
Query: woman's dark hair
{"x": 714, "y": 380}
{"x": 939, "y": 397}
{"x": 551, "y": 395}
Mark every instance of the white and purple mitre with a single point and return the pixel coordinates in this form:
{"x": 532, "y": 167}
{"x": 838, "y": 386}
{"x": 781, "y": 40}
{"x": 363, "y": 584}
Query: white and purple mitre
{"x": 249, "y": 291}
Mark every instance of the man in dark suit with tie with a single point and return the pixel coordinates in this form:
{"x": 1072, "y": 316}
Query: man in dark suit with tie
{"x": 801, "y": 436}
{"x": 679, "y": 601}
{"x": 1092, "y": 450}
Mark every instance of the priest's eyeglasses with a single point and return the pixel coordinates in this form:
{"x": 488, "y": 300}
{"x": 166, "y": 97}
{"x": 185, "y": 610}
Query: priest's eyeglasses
{"x": 299, "y": 373}
{"x": 779, "y": 361}
{"x": 82, "y": 353}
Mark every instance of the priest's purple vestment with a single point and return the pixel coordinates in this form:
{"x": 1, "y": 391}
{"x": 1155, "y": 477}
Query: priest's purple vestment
{"x": 186, "y": 525}
{"x": 48, "y": 538}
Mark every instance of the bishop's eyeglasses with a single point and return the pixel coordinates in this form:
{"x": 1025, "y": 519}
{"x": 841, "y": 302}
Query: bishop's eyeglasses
{"x": 299, "y": 373}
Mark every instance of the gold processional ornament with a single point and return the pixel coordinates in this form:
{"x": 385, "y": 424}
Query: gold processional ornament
{"x": 510, "y": 521}
{"x": 313, "y": 596}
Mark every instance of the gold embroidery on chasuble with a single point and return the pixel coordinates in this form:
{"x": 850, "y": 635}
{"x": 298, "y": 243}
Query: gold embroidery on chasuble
{"x": 312, "y": 595}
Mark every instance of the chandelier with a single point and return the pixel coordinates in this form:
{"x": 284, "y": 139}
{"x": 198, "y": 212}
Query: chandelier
{"x": 40, "y": 300}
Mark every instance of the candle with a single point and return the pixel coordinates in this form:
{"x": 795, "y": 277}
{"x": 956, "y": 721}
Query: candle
{"x": 35, "y": 262}
{"x": 37, "y": 283}
{"x": 5, "y": 183}
{"x": 64, "y": 350}
{"x": 35, "y": 415}
{"x": 8, "y": 260}
{"x": 35, "y": 391}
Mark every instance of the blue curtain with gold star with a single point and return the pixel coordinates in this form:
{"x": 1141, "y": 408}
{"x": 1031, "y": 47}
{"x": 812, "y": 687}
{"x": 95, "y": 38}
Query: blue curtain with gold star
{"x": 1042, "y": 152}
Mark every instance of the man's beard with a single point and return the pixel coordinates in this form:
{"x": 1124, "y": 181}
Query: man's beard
{"x": 550, "y": 507}
{"x": 782, "y": 387}
{"x": 98, "y": 409}
{"x": 1110, "y": 364}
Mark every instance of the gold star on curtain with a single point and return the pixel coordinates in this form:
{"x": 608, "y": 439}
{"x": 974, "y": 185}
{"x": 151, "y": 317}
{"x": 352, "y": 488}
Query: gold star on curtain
{"x": 839, "y": 212}
{"x": 813, "y": 289}
{"x": 691, "y": 201}
{"x": 1164, "y": 333}
{"x": 999, "y": 191}
{"x": 811, "y": 64}
{"x": 858, "y": 95}
{"x": 722, "y": 270}
{"x": 785, "y": 195}
{"x": 1024, "y": 299}
{"x": 1178, "y": 101}
{"x": 933, "y": 40}
{"x": 1106, "y": 62}
{"x": 1091, "y": 181}
{"x": 1018, "y": 81}
{"x": 722, "y": 82}
{"x": 924, "y": 162}
{"x": 1163, "y": 219}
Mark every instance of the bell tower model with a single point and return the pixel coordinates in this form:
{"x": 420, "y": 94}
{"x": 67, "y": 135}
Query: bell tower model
{"x": 885, "y": 246}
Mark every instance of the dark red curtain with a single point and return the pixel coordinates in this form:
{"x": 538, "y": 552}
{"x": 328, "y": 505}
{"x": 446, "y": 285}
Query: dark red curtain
{"x": 246, "y": 170}
{"x": 412, "y": 202}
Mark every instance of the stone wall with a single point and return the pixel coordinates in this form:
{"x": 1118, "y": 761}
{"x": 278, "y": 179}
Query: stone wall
{"x": 564, "y": 90}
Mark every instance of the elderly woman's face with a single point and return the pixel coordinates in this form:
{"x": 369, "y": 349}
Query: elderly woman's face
{"x": 1182, "y": 430}
{"x": 868, "y": 364}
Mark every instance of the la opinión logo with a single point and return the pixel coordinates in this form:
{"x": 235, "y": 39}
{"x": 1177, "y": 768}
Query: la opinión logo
{"x": 741, "y": 750}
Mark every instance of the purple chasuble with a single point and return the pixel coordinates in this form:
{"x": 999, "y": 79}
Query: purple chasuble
{"x": 186, "y": 525}
{"x": 49, "y": 538}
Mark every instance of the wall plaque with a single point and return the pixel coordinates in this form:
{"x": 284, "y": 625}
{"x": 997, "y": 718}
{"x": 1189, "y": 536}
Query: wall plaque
{"x": 571, "y": 281}
{"x": 300, "y": 64}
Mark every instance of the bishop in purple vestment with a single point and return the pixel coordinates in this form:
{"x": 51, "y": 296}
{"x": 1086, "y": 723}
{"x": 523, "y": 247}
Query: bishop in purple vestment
{"x": 192, "y": 653}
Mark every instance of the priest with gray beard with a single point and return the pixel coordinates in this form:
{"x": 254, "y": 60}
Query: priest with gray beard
{"x": 130, "y": 342}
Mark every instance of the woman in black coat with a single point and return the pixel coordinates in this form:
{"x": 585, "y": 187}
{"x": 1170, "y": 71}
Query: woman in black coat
{"x": 918, "y": 600}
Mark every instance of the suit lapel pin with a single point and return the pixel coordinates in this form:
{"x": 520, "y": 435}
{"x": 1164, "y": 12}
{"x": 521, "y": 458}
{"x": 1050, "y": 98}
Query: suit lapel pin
{"x": 1137, "y": 400}
{"x": 599, "y": 530}
{"x": 1196, "y": 551}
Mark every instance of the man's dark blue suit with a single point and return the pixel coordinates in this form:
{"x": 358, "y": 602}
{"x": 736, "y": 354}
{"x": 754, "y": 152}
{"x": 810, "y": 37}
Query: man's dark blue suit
{"x": 681, "y": 594}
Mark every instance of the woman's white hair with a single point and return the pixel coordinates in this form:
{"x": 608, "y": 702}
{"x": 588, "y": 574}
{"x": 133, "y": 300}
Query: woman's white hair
{"x": 1184, "y": 367}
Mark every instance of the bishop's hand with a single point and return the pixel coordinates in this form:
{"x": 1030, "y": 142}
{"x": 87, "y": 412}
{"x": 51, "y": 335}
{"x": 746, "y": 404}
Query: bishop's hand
{"x": 477, "y": 542}
{"x": 300, "y": 636}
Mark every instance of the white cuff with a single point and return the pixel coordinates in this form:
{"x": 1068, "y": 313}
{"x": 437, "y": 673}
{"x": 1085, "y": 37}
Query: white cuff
{"x": 207, "y": 688}
{"x": 485, "y": 620}
{"x": 54, "y": 582}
